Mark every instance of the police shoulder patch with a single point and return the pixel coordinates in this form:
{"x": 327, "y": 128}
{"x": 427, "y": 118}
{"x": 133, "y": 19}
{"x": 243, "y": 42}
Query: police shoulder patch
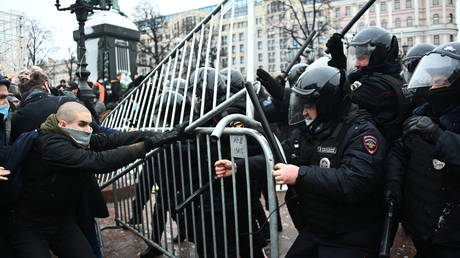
{"x": 370, "y": 143}
{"x": 354, "y": 86}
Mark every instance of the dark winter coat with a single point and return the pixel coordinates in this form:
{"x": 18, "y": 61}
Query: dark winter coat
{"x": 58, "y": 174}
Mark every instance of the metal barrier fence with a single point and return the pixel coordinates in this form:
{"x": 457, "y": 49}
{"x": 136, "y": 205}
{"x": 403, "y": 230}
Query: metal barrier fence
{"x": 224, "y": 221}
{"x": 221, "y": 221}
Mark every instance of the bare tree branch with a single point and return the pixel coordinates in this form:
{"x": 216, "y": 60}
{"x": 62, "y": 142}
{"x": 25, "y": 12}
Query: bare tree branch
{"x": 38, "y": 44}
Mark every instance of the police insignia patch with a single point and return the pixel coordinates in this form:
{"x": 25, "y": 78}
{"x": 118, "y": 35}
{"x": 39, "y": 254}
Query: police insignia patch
{"x": 325, "y": 163}
{"x": 370, "y": 143}
{"x": 354, "y": 86}
{"x": 438, "y": 165}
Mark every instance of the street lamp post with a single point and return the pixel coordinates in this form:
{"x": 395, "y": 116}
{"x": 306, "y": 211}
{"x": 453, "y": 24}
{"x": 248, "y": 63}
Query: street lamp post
{"x": 81, "y": 9}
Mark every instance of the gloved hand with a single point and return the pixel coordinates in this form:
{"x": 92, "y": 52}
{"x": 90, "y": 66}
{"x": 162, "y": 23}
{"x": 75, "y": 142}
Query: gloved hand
{"x": 423, "y": 126}
{"x": 176, "y": 134}
{"x": 335, "y": 47}
{"x": 274, "y": 86}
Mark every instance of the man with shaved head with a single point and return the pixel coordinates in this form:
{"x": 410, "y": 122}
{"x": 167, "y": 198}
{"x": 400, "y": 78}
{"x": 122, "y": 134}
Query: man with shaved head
{"x": 58, "y": 170}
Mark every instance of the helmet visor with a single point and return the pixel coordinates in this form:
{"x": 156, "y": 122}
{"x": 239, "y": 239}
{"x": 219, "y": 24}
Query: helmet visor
{"x": 435, "y": 70}
{"x": 297, "y": 104}
{"x": 358, "y": 56}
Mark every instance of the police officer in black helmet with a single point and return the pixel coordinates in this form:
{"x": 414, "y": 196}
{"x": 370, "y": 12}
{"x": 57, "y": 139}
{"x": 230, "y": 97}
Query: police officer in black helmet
{"x": 335, "y": 154}
{"x": 410, "y": 62}
{"x": 374, "y": 75}
{"x": 424, "y": 165}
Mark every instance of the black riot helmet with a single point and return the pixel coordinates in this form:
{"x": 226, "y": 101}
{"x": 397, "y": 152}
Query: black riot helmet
{"x": 236, "y": 79}
{"x": 206, "y": 79}
{"x": 320, "y": 86}
{"x": 412, "y": 58}
{"x": 295, "y": 72}
{"x": 439, "y": 71}
{"x": 375, "y": 43}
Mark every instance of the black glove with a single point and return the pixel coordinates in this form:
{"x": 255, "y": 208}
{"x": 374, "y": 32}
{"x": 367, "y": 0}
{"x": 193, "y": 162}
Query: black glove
{"x": 176, "y": 134}
{"x": 423, "y": 126}
{"x": 274, "y": 86}
{"x": 335, "y": 48}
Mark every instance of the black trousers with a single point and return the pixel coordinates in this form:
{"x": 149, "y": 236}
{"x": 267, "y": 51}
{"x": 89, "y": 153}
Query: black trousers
{"x": 308, "y": 245}
{"x": 425, "y": 250}
{"x": 33, "y": 238}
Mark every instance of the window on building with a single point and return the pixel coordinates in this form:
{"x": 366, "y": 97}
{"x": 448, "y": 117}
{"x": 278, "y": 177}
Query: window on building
{"x": 224, "y": 40}
{"x": 347, "y": 11}
{"x": 258, "y": 21}
{"x": 259, "y": 33}
{"x": 271, "y": 57}
{"x": 271, "y": 45}
{"x": 261, "y": 57}
{"x": 451, "y": 18}
{"x": 436, "y": 39}
{"x": 259, "y": 45}
{"x": 397, "y": 4}
{"x": 436, "y": 18}
{"x": 408, "y": 3}
{"x": 451, "y": 38}
{"x": 241, "y": 48}
{"x": 233, "y": 37}
{"x": 372, "y": 9}
{"x": 372, "y": 23}
{"x": 233, "y": 61}
{"x": 397, "y": 23}
{"x": 337, "y": 12}
{"x": 435, "y": 2}
{"x": 384, "y": 24}
{"x": 410, "y": 41}
{"x": 242, "y": 70}
{"x": 241, "y": 59}
{"x": 241, "y": 37}
{"x": 410, "y": 21}
{"x": 383, "y": 6}
{"x": 450, "y": 1}
{"x": 233, "y": 49}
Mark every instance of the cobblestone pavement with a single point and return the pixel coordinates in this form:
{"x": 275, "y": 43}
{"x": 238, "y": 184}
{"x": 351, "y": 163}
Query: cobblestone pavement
{"x": 119, "y": 243}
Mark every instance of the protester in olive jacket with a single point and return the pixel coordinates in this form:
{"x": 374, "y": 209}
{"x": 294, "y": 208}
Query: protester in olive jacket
{"x": 58, "y": 171}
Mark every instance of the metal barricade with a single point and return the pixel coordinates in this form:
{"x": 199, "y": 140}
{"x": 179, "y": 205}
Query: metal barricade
{"x": 220, "y": 222}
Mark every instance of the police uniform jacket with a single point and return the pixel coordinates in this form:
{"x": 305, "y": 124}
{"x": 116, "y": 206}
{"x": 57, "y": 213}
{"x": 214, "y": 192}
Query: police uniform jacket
{"x": 425, "y": 178}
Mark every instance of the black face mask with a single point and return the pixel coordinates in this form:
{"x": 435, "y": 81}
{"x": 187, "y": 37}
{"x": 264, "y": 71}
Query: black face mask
{"x": 442, "y": 100}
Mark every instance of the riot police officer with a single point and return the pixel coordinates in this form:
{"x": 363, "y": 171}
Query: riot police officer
{"x": 410, "y": 62}
{"x": 335, "y": 155}
{"x": 374, "y": 74}
{"x": 423, "y": 166}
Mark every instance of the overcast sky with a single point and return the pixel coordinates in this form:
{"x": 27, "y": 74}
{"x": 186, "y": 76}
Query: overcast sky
{"x": 63, "y": 23}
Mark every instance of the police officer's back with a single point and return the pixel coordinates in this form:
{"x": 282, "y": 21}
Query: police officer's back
{"x": 423, "y": 165}
{"x": 337, "y": 154}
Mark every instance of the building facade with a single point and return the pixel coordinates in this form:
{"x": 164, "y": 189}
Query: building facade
{"x": 278, "y": 26}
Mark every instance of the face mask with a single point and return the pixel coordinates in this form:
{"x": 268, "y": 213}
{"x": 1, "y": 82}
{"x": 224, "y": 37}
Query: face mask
{"x": 101, "y": 81}
{"x": 78, "y": 136}
{"x": 4, "y": 111}
{"x": 308, "y": 122}
{"x": 442, "y": 100}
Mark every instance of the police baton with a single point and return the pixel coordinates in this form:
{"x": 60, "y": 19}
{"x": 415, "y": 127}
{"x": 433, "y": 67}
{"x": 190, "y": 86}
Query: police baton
{"x": 388, "y": 227}
{"x": 299, "y": 53}
{"x": 265, "y": 126}
{"x": 355, "y": 19}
